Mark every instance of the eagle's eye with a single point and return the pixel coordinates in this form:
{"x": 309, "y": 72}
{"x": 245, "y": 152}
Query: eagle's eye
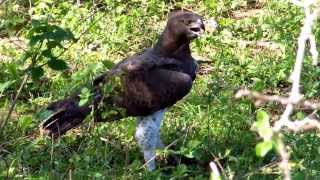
{"x": 186, "y": 21}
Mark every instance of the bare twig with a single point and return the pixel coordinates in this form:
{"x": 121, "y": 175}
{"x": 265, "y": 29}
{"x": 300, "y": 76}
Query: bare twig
{"x": 166, "y": 148}
{"x": 284, "y": 163}
{"x": 303, "y": 125}
{"x": 13, "y": 41}
{"x": 295, "y": 98}
{"x": 261, "y": 98}
{"x": 305, "y": 35}
{"x": 2, "y": 1}
{"x": 14, "y": 102}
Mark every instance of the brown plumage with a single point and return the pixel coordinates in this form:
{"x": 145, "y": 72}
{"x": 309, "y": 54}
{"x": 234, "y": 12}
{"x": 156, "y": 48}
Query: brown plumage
{"x": 149, "y": 81}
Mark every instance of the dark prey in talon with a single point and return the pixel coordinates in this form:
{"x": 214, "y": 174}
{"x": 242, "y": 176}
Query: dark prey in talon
{"x": 143, "y": 85}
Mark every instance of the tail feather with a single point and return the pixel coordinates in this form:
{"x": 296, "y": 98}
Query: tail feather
{"x": 67, "y": 114}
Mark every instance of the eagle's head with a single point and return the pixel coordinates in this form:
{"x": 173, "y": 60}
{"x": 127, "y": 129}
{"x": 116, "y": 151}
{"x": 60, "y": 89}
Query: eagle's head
{"x": 185, "y": 24}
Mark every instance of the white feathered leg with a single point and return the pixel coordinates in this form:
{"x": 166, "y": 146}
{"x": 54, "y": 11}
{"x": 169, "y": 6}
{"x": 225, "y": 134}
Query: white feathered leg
{"x": 148, "y": 136}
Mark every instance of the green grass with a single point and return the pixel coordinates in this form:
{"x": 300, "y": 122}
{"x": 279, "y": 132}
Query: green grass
{"x": 208, "y": 125}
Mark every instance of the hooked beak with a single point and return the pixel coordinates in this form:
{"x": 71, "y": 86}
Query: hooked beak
{"x": 196, "y": 28}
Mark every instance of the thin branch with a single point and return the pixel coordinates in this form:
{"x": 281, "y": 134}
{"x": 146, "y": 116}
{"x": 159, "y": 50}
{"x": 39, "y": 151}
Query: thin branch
{"x": 313, "y": 49}
{"x": 16, "y": 44}
{"x": 165, "y": 148}
{"x": 295, "y": 98}
{"x": 305, "y": 34}
{"x": 284, "y": 163}
{"x": 306, "y": 124}
{"x": 14, "y": 102}
{"x": 303, "y": 4}
{"x": 260, "y": 98}
{"x": 2, "y": 1}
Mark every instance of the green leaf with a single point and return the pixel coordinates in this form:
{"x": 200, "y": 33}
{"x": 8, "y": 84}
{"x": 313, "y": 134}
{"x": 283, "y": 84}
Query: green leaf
{"x": 193, "y": 144}
{"x": 263, "y": 148}
{"x": 25, "y": 56}
{"x": 97, "y": 175}
{"x": 5, "y": 85}
{"x": 189, "y": 154}
{"x": 47, "y": 53}
{"x": 299, "y": 176}
{"x": 35, "y": 22}
{"x": 108, "y": 64}
{"x": 300, "y": 115}
{"x": 13, "y": 70}
{"x": 36, "y": 73}
{"x": 59, "y": 34}
{"x": 53, "y": 44}
{"x": 262, "y": 125}
{"x": 54, "y": 34}
{"x": 43, "y": 114}
{"x": 83, "y": 102}
{"x": 190, "y": 151}
{"x": 57, "y": 64}
{"x": 181, "y": 171}
{"x": 262, "y": 116}
{"x": 25, "y": 122}
{"x": 84, "y": 96}
{"x": 214, "y": 177}
{"x": 34, "y": 40}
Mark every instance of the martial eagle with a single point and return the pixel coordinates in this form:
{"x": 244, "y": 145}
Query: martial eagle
{"x": 143, "y": 86}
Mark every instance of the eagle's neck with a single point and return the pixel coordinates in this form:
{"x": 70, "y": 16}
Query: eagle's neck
{"x": 171, "y": 46}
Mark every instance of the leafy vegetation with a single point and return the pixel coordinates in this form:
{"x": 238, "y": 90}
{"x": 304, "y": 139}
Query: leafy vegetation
{"x": 58, "y": 46}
